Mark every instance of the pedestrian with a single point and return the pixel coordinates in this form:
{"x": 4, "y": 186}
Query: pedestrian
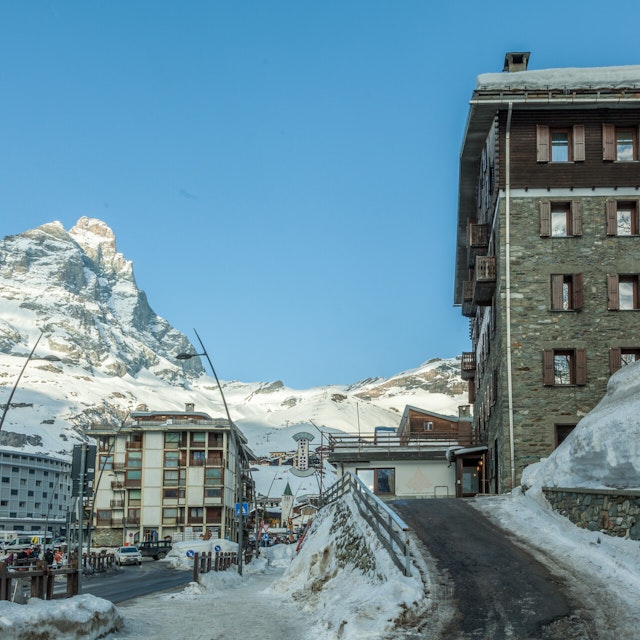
{"x": 48, "y": 556}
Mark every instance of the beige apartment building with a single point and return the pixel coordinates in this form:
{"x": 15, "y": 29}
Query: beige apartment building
{"x": 169, "y": 474}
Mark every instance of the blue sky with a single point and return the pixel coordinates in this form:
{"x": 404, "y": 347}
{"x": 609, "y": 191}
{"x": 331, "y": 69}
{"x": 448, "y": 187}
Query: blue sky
{"x": 282, "y": 174}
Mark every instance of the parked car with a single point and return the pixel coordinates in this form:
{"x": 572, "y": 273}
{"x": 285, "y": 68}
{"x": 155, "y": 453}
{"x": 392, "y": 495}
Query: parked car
{"x": 20, "y": 543}
{"x": 127, "y": 555}
{"x": 156, "y": 549}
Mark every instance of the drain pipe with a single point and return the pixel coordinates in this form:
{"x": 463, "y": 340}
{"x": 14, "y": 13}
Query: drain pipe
{"x": 512, "y": 447}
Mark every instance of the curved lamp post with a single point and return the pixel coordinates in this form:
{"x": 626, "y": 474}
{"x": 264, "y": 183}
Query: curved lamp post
{"x": 236, "y": 441}
{"x": 50, "y": 358}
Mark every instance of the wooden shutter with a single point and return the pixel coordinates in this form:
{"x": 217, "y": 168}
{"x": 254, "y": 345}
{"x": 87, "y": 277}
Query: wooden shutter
{"x": 557, "y": 282}
{"x": 612, "y": 291}
{"x": 615, "y": 359}
{"x": 612, "y": 217}
{"x": 545, "y": 219}
{"x": 576, "y": 217}
{"x": 542, "y": 143}
{"x": 578, "y": 142}
{"x": 578, "y": 298}
{"x": 548, "y": 369}
{"x": 608, "y": 142}
{"x": 581, "y": 366}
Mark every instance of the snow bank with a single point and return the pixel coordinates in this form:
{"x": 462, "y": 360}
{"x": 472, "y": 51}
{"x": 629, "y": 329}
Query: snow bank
{"x": 81, "y": 617}
{"x": 603, "y": 451}
{"x": 345, "y": 580}
{"x": 181, "y": 554}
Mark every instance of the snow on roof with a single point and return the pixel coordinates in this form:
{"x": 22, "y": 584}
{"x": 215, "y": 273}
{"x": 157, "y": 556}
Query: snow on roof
{"x": 569, "y": 78}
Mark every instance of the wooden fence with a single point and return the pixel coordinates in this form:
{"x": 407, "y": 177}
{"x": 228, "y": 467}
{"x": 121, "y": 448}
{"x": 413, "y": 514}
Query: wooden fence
{"x": 42, "y": 579}
{"x": 220, "y": 561}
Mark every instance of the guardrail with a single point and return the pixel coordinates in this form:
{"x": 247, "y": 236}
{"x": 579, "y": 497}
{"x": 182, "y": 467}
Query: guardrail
{"x": 391, "y": 529}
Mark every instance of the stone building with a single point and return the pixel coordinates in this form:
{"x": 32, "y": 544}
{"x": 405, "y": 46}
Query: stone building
{"x": 548, "y": 252}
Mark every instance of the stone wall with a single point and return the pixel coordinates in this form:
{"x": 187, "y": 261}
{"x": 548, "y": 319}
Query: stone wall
{"x": 614, "y": 512}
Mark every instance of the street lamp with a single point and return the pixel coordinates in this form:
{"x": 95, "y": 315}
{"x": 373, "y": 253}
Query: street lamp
{"x": 236, "y": 441}
{"x": 50, "y": 358}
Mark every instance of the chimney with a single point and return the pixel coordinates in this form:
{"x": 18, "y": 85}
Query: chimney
{"x": 189, "y": 407}
{"x": 516, "y": 61}
{"x": 464, "y": 411}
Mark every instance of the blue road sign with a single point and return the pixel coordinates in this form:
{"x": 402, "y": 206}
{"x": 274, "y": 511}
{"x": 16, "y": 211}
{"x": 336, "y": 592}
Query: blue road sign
{"x": 217, "y": 548}
{"x": 190, "y": 553}
{"x": 245, "y": 508}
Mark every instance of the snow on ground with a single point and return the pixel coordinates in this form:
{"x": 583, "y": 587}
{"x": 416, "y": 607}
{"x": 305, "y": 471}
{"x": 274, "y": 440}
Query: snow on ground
{"x": 342, "y": 584}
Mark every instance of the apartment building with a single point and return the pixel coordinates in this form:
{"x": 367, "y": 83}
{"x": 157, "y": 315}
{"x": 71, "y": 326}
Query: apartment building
{"x": 169, "y": 474}
{"x": 548, "y": 252}
{"x": 35, "y": 492}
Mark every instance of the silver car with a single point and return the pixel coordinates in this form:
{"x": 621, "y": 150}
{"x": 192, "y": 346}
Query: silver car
{"x": 128, "y": 555}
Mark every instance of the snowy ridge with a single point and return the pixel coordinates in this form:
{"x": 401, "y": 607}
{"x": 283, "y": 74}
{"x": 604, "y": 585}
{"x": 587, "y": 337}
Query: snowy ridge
{"x": 116, "y": 353}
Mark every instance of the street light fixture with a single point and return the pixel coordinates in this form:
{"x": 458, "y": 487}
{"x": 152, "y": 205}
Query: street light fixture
{"x": 236, "y": 441}
{"x": 50, "y": 358}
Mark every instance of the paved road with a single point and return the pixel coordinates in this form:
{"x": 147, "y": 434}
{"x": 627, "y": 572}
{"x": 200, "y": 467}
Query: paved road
{"x": 499, "y": 591}
{"x": 132, "y": 581}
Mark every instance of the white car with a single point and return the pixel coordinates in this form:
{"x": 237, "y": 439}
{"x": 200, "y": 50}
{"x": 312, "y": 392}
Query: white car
{"x": 128, "y": 555}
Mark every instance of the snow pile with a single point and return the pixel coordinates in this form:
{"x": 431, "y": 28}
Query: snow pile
{"x": 85, "y": 617}
{"x": 569, "y": 78}
{"x": 345, "y": 581}
{"x": 603, "y": 451}
{"x": 181, "y": 554}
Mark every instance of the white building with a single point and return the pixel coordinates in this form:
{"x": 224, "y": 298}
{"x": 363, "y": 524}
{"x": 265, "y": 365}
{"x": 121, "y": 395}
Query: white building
{"x": 168, "y": 474}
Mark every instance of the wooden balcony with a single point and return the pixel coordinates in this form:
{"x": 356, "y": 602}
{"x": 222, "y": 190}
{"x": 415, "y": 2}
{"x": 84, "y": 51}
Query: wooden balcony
{"x": 477, "y": 241}
{"x": 468, "y": 308}
{"x": 135, "y": 444}
{"x": 117, "y": 485}
{"x": 484, "y": 283}
{"x": 468, "y": 365}
{"x": 116, "y": 504}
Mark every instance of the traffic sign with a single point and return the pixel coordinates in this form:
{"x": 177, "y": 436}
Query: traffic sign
{"x": 190, "y": 553}
{"x": 245, "y": 508}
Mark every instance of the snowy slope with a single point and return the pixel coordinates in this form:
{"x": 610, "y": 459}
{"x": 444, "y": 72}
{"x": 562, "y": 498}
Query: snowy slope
{"x": 74, "y": 291}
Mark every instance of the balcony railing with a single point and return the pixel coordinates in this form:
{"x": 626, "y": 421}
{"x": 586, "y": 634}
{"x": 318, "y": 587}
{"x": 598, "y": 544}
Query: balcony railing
{"x": 477, "y": 241}
{"x": 484, "y": 280}
{"x": 117, "y": 485}
{"x": 116, "y": 504}
{"x": 468, "y": 365}
{"x": 134, "y": 444}
{"x": 468, "y": 308}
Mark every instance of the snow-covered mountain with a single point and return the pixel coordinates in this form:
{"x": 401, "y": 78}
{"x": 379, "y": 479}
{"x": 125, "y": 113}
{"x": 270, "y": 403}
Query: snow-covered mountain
{"x": 77, "y": 295}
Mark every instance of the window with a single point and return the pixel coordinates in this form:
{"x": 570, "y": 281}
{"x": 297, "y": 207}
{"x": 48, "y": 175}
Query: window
{"x": 619, "y": 144}
{"x": 560, "y": 219}
{"x": 174, "y": 494}
{"x": 212, "y": 476}
{"x": 563, "y": 367}
{"x": 622, "y": 217}
{"x": 197, "y": 458}
{"x": 566, "y": 292}
{"x": 174, "y": 478}
{"x": 560, "y": 144}
{"x": 623, "y": 292}
{"x": 134, "y": 459}
{"x": 171, "y": 440}
{"x": 198, "y": 438}
{"x": 169, "y": 515}
{"x": 135, "y": 497}
{"x": 379, "y": 481}
{"x": 196, "y": 513}
{"x": 621, "y": 356}
{"x": 106, "y": 462}
{"x": 427, "y": 426}
{"x": 171, "y": 458}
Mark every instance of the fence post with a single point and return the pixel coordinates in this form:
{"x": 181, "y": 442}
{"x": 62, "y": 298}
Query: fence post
{"x": 196, "y": 558}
